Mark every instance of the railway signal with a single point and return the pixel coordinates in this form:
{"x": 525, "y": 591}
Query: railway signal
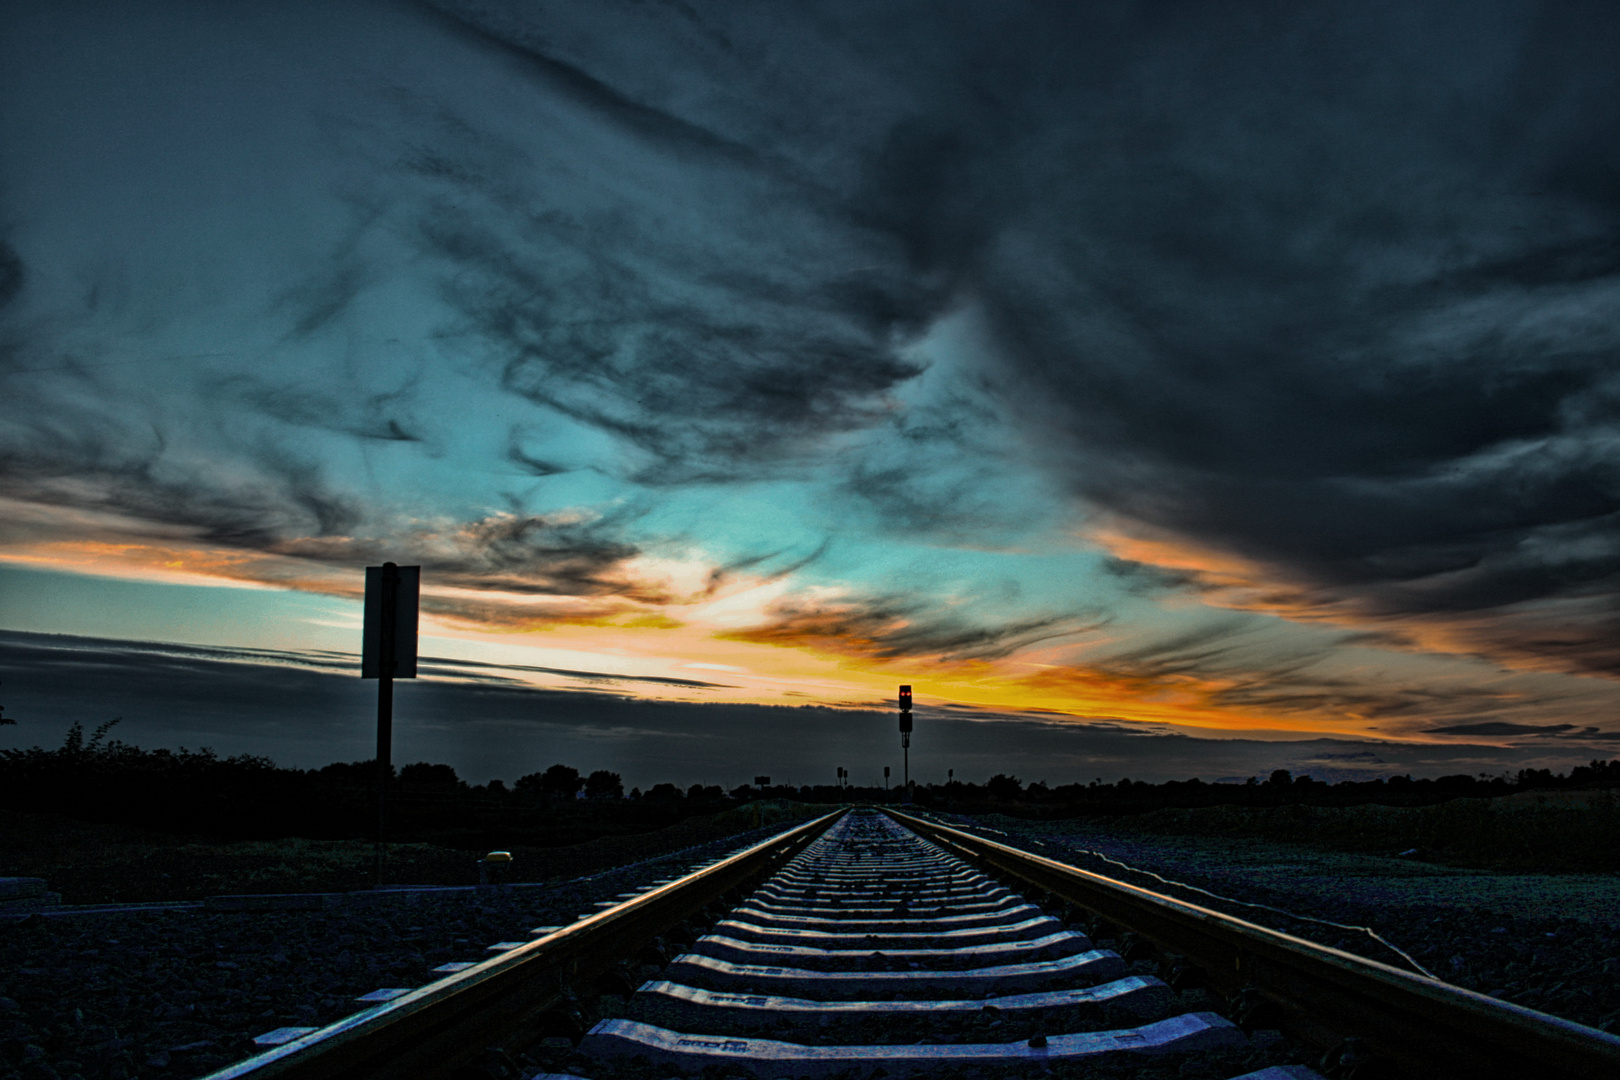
{"x": 905, "y": 738}
{"x": 388, "y": 652}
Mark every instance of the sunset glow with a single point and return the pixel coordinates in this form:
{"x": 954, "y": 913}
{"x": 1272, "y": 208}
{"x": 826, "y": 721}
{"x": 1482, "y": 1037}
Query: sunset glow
{"x": 856, "y": 355}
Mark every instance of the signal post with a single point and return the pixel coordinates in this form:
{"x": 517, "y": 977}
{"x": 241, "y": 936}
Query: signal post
{"x": 905, "y": 737}
{"x": 388, "y": 652}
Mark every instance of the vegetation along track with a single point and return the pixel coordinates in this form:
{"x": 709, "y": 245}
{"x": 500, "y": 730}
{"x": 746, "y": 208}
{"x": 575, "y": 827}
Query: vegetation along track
{"x": 868, "y": 944}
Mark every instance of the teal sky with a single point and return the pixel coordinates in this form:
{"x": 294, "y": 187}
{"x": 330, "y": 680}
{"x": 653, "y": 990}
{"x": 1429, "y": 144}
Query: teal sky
{"x": 1250, "y": 373}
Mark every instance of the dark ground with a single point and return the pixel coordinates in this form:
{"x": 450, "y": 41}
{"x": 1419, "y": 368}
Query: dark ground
{"x": 176, "y": 994}
{"x": 166, "y": 993}
{"x": 93, "y": 863}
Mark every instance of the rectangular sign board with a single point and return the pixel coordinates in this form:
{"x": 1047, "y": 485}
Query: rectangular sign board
{"x": 407, "y": 591}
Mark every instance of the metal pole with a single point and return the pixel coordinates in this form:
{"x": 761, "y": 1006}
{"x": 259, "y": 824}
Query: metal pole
{"x": 385, "y": 711}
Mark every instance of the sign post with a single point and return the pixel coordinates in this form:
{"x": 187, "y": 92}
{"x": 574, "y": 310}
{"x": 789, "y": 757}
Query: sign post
{"x": 388, "y": 652}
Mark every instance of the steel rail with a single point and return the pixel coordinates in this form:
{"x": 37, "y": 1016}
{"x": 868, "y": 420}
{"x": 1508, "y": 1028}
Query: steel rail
{"x": 1426, "y": 1028}
{"x": 499, "y": 1006}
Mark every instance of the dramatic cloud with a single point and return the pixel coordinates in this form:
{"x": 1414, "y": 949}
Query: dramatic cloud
{"x": 891, "y": 627}
{"x": 1331, "y": 292}
{"x": 1344, "y": 327}
{"x": 1048, "y": 328}
{"x": 731, "y": 329}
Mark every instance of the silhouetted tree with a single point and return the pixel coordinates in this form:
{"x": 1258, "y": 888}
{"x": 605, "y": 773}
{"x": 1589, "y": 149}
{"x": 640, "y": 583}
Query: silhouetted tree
{"x": 425, "y": 776}
{"x": 561, "y": 781}
{"x": 1002, "y": 786}
{"x": 602, "y": 784}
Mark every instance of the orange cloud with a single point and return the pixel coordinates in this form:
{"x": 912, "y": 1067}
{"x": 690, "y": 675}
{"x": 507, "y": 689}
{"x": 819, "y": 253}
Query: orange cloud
{"x": 1560, "y": 635}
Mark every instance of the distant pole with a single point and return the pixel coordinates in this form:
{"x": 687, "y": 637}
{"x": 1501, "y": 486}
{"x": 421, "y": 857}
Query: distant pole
{"x": 388, "y": 652}
{"x": 885, "y": 778}
{"x": 905, "y": 737}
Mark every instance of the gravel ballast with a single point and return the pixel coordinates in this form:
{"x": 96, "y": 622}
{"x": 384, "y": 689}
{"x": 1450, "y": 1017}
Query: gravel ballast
{"x": 1547, "y": 942}
{"x": 178, "y": 993}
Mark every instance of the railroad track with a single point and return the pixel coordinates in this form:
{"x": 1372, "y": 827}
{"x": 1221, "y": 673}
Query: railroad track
{"x": 868, "y": 944}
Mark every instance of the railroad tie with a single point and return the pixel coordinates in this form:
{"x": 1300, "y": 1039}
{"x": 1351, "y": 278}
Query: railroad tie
{"x": 874, "y": 951}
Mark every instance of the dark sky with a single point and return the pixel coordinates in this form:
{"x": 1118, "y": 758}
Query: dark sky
{"x": 1248, "y": 366}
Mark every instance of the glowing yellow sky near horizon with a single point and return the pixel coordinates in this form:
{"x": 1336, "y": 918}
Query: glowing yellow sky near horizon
{"x": 699, "y": 641}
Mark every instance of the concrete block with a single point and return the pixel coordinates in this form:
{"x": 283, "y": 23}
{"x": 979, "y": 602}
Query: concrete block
{"x": 1088, "y": 968}
{"x": 767, "y": 1058}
